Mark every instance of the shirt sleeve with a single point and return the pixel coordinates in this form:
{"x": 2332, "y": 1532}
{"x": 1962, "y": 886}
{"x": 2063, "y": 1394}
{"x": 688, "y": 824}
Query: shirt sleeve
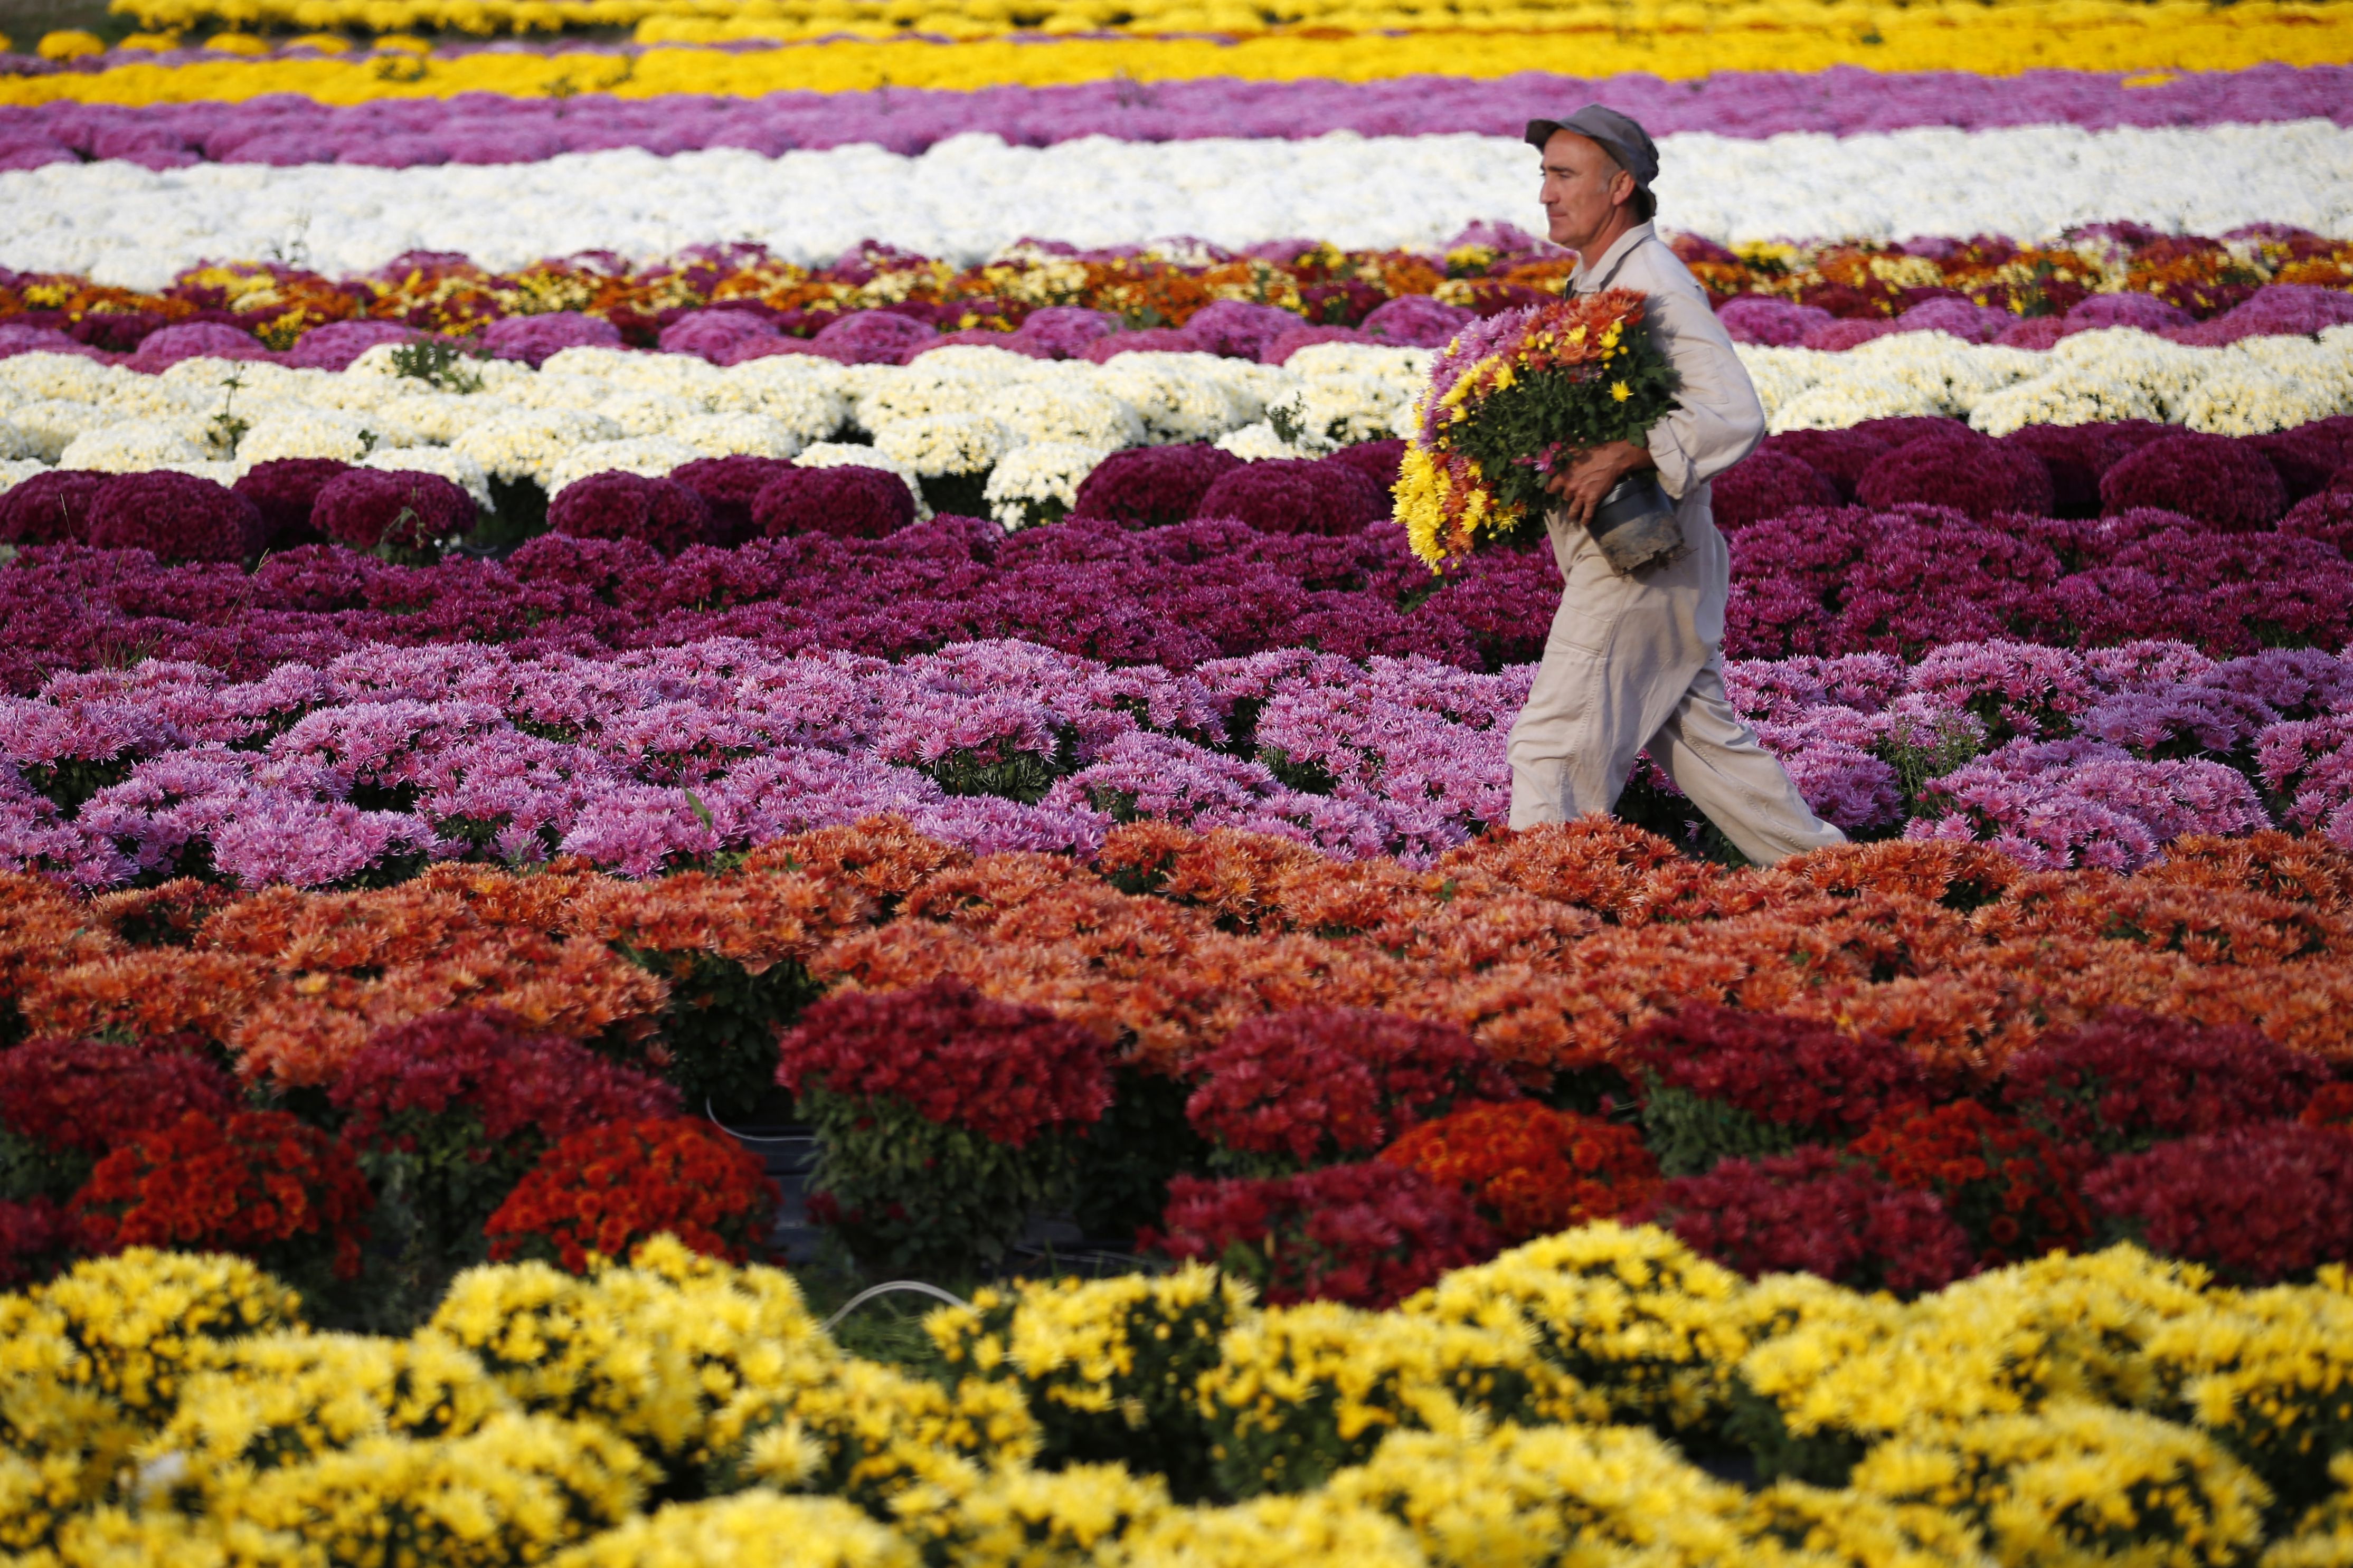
{"x": 1720, "y": 420}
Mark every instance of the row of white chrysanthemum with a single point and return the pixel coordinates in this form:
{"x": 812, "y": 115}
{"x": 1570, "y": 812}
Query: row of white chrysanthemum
{"x": 1035, "y": 427}
{"x": 971, "y": 195}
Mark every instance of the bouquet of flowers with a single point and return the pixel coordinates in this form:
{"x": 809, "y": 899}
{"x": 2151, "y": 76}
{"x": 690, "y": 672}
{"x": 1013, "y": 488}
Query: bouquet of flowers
{"x": 1507, "y": 400}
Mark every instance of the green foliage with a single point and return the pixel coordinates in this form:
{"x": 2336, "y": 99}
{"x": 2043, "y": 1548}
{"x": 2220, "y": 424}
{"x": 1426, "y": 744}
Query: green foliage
{"x": 1754, "y": 1423}
{"x": 1126, "y": 1160}
{"x": 1690, "y": 1134}
{"x": 915, "y": 1195}
{"x": 1023, "y": 776}
{"x": 444, "y": 367}
{"x": 720, "y": 1026}
{"x": 1304, "y": 774}
{"x": 957, "y": 495}
{"x": 71, "y": 781}
{"x": 29, "y": 1170}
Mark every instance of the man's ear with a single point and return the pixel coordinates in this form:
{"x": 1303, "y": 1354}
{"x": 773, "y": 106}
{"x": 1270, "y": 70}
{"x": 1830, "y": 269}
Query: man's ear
{"x": 1621, "y": 188}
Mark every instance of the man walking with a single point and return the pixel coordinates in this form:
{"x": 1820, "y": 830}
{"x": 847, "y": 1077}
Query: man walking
{"x": 1634, "y": 659}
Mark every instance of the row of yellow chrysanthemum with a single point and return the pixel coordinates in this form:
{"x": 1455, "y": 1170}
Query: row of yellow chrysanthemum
{"x": 170, "y": 1408}
{"x": 1354, "y": 44}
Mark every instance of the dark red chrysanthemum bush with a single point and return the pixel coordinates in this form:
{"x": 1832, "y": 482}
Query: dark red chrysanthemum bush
{"x": 2128, "y": 1080}
{"x": 2258, "y": 1204}
{"x": 846, "y": 502}
{"x": 256, "y": 1182}
{"x": 1316, "y": 1086}
{"x": 175, "y": 517}
{"x": 1818, "y": 1210}
{"x": 1721, "y": 1082}
{"x": 1152, "y": 487}
{"x": 2013, "y": 1189}
{"x": 602, "y": 1190}
{"x": 456, "y": 1107}
{"x": 1368, "y": 1234}
{"x": 400, "y": 515}
{"x": 943, "y": 1117}
{"x": 67, "y": 1103}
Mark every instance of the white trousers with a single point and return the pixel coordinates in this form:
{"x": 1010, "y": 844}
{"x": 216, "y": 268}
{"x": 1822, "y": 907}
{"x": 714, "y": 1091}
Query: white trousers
{"x": 1635, "y": 662}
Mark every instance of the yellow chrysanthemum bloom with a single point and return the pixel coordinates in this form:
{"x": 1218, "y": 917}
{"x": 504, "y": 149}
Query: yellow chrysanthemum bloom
{"x": 757, "y": 1528}
{"x": 1628, "y": 1311}
{"x": 140, "y": 1321}
{"x": 68, "y": 44}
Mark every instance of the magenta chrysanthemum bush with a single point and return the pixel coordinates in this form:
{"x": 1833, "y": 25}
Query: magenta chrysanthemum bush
{"x": 532, "y": 338}
{"x": 1152, "y": 487}
{"x": 50, "y": 508}
{"x": 1287, "y": 495}
{"x": 2224, "y": 483}
{"x": 367, "y": 509}
{"x": 174, "y": 517}
{"x": 846, "y": 502}
{"x": 660, "y": 513}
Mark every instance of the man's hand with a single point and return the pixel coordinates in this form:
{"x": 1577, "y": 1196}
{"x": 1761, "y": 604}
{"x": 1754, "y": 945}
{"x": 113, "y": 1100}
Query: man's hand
{"x": 1591, "y": 475}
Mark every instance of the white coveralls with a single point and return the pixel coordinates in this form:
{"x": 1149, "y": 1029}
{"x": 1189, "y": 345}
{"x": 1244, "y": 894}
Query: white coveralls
{"x": 1636, "y": 662}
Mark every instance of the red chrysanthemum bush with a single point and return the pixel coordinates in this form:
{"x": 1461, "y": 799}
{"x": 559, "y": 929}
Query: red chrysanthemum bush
{"x": 2128, "y": 1080}
{"x": 1720, "y": 1082}
{"x": 65, "y": 1104}
{"x": 1316, "y": 1086}
{"x": 602, "y": 1190}
{"x": 452, "y": 1109}
{"x": 943, "y": 1118}
{"x": 2011, "y": 1188}
{"x": 256, "y": 1182}
{"x": 1368, "y": 1234}
{"x": 1821, "y": 1211}
{"x": 1531, "y": 1170}
{"x": 2257, "y": 1205}
{"x": 2332, "y": 1107}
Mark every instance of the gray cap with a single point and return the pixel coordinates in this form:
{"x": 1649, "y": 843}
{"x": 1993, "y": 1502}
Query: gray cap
{"x": 1618, "y": 135}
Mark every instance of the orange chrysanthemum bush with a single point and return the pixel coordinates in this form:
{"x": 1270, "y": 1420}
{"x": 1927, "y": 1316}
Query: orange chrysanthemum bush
{"x": 1532, "y": 1170}
{"x": 602, "y": 1190}
{"x": 259, "y": 1183}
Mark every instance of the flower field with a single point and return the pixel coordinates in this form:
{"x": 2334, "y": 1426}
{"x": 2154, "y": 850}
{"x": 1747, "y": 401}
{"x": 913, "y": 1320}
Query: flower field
{"x": 661, "y": 660}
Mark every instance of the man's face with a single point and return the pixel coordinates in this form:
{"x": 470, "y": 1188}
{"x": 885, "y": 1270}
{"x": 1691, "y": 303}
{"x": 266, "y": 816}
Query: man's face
{"x": 1583, "y": 188}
